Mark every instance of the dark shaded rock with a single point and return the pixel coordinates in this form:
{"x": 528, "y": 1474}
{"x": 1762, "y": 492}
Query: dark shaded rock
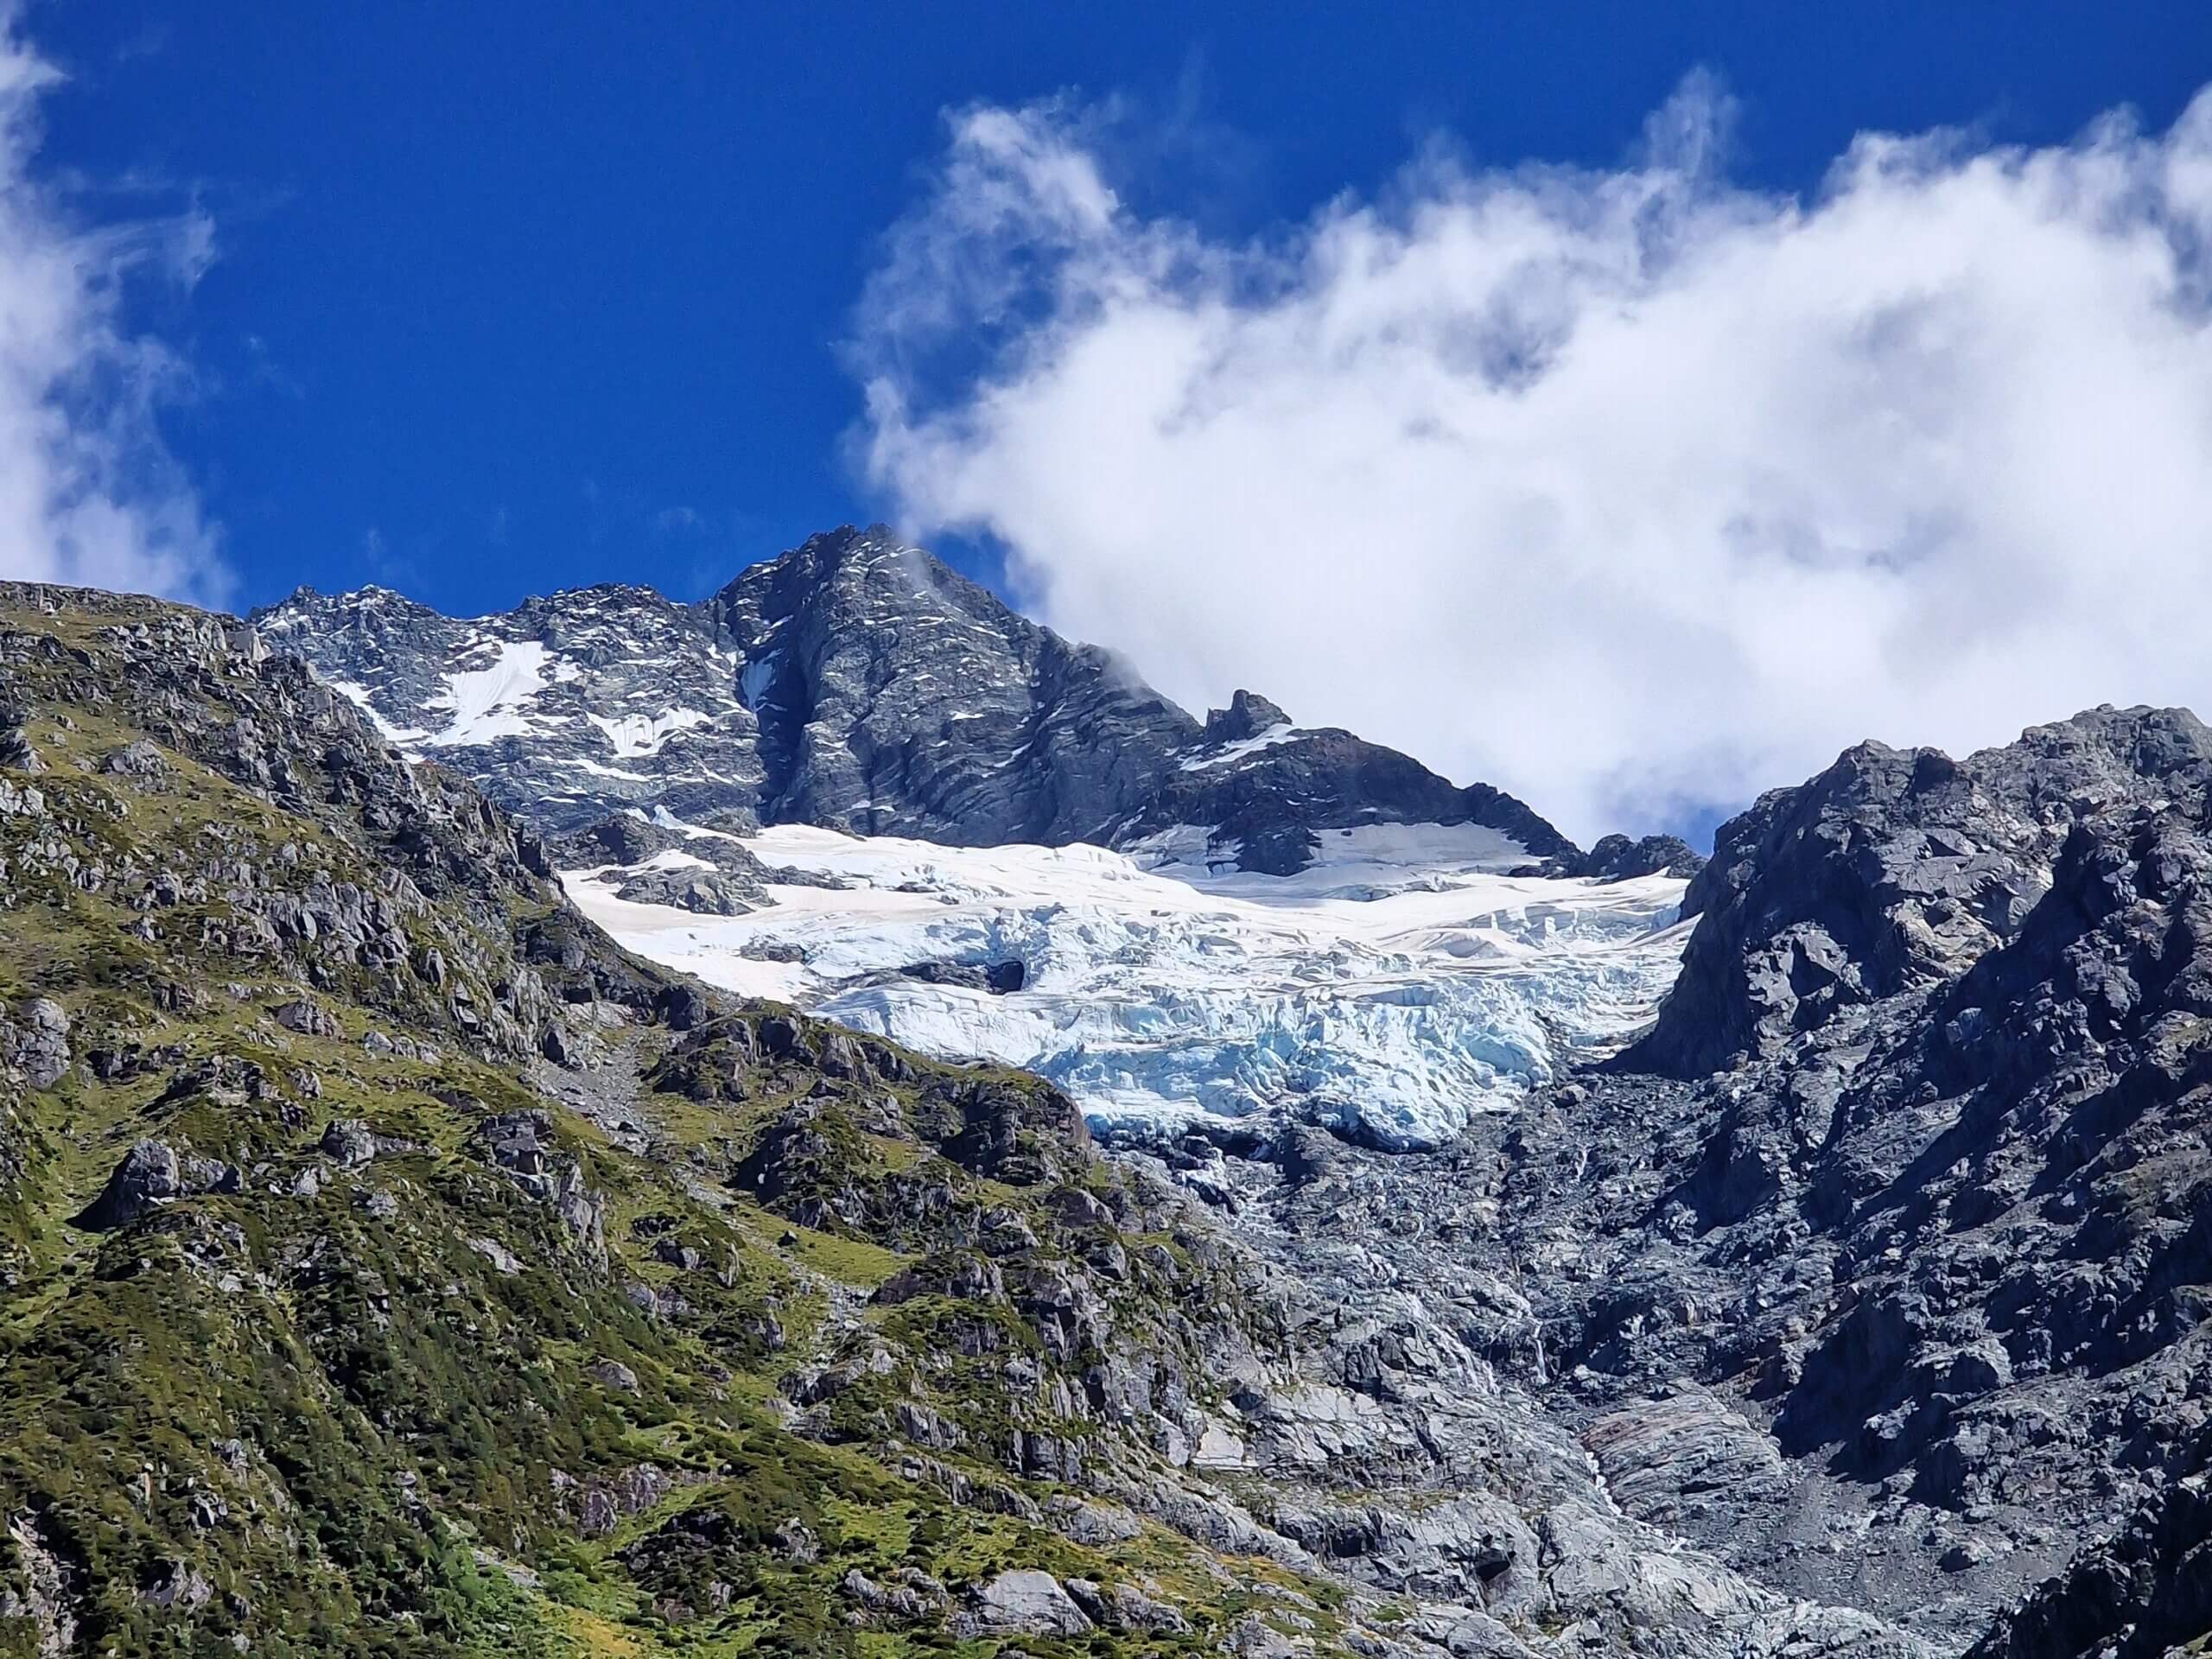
{"x": 306, "y": 1018}
{"x": 175, "y": 1585}
{"x": 1306, "y": 1151}
{"x": 618, "y": 838}
{"x": 1617, "y": 857}
{"x": 1247, "y": 716}
{"x": 349, "y": 1142}
{"x": 997, "y": 977}
{"x": 147, "y": 1178}
{"x": 2143, "y": 1593}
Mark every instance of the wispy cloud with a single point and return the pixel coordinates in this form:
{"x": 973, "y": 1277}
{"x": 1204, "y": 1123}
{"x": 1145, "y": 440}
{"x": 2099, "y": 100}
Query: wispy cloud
{"x": 89, "y": 493}
{"x": 263, "y": 369}
{"x": 1628, "y": 489}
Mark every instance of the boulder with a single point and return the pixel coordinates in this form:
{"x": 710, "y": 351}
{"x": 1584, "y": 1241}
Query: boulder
{"x": 348, "y": 1142}
{"x": 1023, "y": 1602}
{"x": 137, "y": 758}
{"x": 613, "y": 1374}
{"x": 36, "y": 1042}
{"x": 147, "y": 1178}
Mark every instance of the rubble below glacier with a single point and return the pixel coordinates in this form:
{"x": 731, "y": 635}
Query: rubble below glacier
{"x": 1404, "y": 984}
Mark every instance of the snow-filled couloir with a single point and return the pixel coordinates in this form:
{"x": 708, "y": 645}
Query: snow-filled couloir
{"x": 1402, "y": 984}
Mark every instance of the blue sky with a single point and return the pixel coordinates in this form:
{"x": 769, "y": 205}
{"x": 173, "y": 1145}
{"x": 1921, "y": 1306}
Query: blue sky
{"x": 509, "y": 296}
{"x": 1628, "y": 404}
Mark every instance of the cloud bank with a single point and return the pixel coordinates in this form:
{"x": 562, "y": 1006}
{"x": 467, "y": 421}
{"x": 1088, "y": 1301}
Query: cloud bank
{"x": 89, "y": 493}
{"x": 1634, "y": 492}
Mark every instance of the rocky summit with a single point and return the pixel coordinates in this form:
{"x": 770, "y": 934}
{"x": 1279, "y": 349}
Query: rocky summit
{"x": 393, "y": 1263}
{"x": 859, "y": 683}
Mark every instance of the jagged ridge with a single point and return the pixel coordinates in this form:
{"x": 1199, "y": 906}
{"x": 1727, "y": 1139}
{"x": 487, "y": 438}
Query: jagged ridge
{"x": 857, "y": 682}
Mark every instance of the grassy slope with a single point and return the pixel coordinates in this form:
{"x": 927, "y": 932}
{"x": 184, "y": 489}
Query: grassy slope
{"x": 358, "y": 1411}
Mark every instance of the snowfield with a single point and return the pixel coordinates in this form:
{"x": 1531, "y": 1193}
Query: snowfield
{"x": 1395, "y": 989}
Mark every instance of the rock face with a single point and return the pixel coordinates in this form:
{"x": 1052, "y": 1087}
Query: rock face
{"x": 892, "y": 695}
{"x": 1023, "y": 1603}
{"x": 1248, "y": 716}
{"x": 1879, "y": 1267}
{"x": 2144, "y": 1591}
{"x": 704, "y": 892}
{"x": 858, "y": 683}
{"x": 1876, "y": 1273}
{"x": 36, "y": 1043}
{"x": 1615, "y": 857}
{"x": 147, "y": 1177}
{"x": 1897, "y": 869}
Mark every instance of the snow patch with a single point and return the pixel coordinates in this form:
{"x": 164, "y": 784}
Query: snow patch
{"x": 754, "y": 680}
{"x": 1282, "y": 733}
{"x": 633, "y": 735}
{"x": 488, "y": 703}
{"x": 580, "y": 764}
{"x": 400, "y": 736}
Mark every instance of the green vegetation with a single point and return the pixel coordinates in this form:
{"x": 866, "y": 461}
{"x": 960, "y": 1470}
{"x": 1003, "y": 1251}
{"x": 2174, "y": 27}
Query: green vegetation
{"x": 413, "y": 1358}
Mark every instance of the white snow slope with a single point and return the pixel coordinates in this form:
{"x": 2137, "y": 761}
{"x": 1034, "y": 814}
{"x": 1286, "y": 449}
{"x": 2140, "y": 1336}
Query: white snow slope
{"x": 1394, "y": 990}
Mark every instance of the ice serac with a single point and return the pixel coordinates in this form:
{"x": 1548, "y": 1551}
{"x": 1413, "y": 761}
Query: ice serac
{"x": 1402, "y": 984}
{"x": 859, "y": 683}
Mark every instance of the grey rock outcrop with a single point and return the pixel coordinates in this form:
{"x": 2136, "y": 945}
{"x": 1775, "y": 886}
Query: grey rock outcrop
{"x": 1023, "y": 1602}
{"x": 856, "y": 682}
{"x": 1248, "y": 716}
{"x": 137, "y": 758}
{"x": 35, "y": 1040}
{"x": 1897, "y": 869}
{"x": 1875, "y": 1267}
{"x": 1616, "y": 857}
{"x": 2144, "y": 1591}
{"x": 704, "y": 892}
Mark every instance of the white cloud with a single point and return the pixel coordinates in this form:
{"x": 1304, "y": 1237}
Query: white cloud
{"x": 89, "y": 493}
{"x": 1629, "y": 491}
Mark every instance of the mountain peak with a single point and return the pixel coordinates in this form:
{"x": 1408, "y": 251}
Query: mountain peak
{"x": 1247, "y": 715}
{"x": 856, "y": 681}
{"x": 1897, "y": 867}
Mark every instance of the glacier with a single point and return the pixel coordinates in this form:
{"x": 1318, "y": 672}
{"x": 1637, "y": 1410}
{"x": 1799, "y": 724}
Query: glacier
{"x": 1403, "y": 984}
